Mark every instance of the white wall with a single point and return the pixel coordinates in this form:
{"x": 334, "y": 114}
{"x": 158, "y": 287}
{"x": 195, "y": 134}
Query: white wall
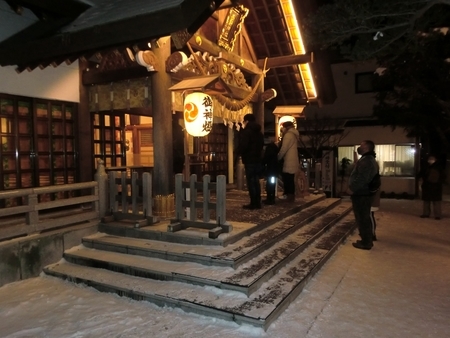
{"x": 377, "y": 134}
{"x": 348, "y": 103}
{"x": 60, "y": 83}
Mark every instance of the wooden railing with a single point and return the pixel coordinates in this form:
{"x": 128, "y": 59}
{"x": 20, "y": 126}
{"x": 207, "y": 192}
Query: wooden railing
{"x": 35, "y": 214}
{"x": 130, "y": 198}
{"x": 187, "y": 203}
{"x": 113, "y": 196}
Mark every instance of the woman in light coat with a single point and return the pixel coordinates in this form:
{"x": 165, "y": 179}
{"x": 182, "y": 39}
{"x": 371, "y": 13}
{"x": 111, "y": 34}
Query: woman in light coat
{"x": 289, "y": 154}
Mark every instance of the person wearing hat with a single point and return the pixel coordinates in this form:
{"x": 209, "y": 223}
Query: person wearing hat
{"x": 289, "y": 154}
{"x": 251, "y": 143}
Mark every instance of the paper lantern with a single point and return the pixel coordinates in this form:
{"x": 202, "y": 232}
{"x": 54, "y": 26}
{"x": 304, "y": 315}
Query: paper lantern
{"x": 198, "y": 114}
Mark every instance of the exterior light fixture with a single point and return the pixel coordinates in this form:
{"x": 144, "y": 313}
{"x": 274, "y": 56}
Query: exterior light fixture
{"x": 198, "y": 114}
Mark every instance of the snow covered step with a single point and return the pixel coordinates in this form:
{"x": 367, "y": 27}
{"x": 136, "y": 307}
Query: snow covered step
{"x": 246, "y": 278}
{"x": 252, "y": 246}
{"x": 259, "y": 309}
{"x": 268, "y": 302}
{"x": 244, "y": 224}
{"x": 233, "y": 255}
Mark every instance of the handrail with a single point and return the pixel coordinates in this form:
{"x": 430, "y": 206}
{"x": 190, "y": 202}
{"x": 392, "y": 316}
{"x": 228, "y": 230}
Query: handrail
{"x": 22, "y": 220}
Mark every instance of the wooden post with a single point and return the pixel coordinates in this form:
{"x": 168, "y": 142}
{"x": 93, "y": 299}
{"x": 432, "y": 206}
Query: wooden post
{"x": 179, "y": 197}
{"x": 32, "y": 217}
{"x": 193, "y": 197}
{"x": 134, "y": 192}
{"x": 124, "y": 192}
{"x": 162, "y": 122}
{"x": 147, "y": 197}
{"x": 206, "y": 198}
{"x": 113, "y": 203}
{"x": 102, "y": 180}
{"x": 221, "y": 192}
{"x": 258, "y": 107}
{"x": 84, "y": 134}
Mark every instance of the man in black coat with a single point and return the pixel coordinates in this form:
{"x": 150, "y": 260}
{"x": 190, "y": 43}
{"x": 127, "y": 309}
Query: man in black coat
{"x": 365, "y": 169}
{"x": 251, "y": 143}
{"x": 432, "y": 177}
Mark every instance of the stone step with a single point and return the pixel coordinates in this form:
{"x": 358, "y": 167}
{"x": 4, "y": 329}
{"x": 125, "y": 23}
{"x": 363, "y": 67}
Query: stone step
{"x": 260, "y": 308}
{"x": 244, "y": 222}
{"x": 233, "y": 255}
{"x": 246, "y": 278}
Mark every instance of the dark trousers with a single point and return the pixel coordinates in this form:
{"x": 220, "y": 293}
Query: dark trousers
{"x": 436, "y": 208}
{"x": 288, "y": 183}
{"x": 361, "y": 208}
{"x": 252, "y": 172}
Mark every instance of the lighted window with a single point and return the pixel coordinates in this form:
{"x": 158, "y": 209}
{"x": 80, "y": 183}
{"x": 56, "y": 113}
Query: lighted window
{"x": 393, "y": 160}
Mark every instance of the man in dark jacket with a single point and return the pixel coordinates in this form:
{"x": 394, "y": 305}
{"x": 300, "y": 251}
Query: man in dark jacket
{"x": 432, "y": 177}
{"x": 251, "y": 143}
{"x": 365, "y": 169}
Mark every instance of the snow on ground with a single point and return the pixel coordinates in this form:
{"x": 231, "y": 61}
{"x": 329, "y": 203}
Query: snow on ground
{"x": 401, "y": 288}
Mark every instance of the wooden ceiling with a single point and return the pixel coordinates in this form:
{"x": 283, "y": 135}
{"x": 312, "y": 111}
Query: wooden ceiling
{"x": 266, "y": 28}
{"x": 76, "y": 29}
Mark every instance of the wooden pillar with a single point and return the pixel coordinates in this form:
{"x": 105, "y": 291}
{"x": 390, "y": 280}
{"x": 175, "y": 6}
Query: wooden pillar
{"x": 86, "y": 167}
{"x": 258, "y": 107}
{"x": 163, "y": 178}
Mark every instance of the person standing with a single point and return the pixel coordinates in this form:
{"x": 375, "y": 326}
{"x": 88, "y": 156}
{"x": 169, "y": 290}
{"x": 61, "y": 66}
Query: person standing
{"x": 251, "y": 143}
{"x": 432, "y": 177}
{"x": 289, "y": 154}
{"x": 365, "y": 169}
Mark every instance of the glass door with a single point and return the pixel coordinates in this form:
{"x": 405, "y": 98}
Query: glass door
{"x": 109, "y": 138}
{"x": 16, "y": 152}
{"x": 37, "y": 143}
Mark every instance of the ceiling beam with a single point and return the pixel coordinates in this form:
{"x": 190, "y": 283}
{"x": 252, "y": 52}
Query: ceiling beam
{"x": 204, "y": 45}
{"x": 284, "y": 61}
{"x": 234, "y": 91}
{"x": 133, "y": 72}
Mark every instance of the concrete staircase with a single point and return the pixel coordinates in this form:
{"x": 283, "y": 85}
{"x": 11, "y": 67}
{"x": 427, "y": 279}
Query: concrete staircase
{"x": 248, "y": 276}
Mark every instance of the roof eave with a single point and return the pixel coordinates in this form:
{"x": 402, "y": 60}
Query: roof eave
{"x": 147, "y": 26}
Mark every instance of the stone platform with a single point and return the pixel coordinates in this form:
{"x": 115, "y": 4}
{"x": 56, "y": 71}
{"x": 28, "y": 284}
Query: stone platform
{"x": 249, "y": 275}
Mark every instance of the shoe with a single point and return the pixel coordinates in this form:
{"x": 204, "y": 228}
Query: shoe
{"x": 438, "y": 218}
{"x": 251, "y": 206}
{"x": 359, "y": 241}
{"x": 290, "y": 198}
{"x": 360, "y": 245}
{"x": 269, "y": 202}
{"x": 424, "y": 216}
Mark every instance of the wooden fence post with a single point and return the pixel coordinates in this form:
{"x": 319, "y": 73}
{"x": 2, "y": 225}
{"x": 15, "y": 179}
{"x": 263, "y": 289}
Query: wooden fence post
{"x": 221, "y": 200}
{"x": 102, "y": 179}
{"x": 206, "y": 198}
{"x": 179, "y": 196}
{"x": 193, "y": 197}
{"x": 147, "y": 196}
{"x": 32, "y": 217}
